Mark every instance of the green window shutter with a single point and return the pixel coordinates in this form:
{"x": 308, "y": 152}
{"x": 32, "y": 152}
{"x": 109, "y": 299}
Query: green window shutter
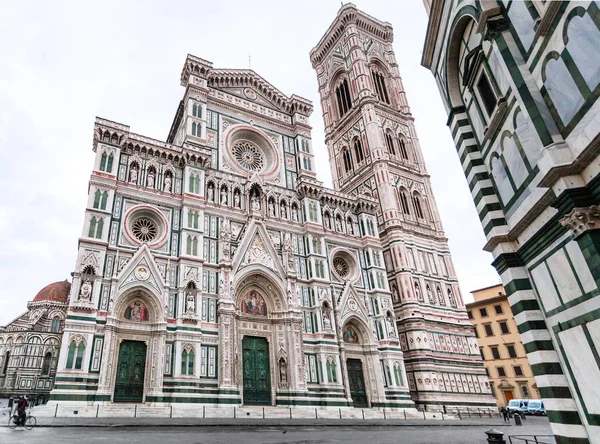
{"x": 388, "y": 375}
{"x": 99, "y": 228}
{"x": 188, "y": 247}
{"x": 92, "y": 227}
{"x": 97, "y": 198}
{"x": 191, "y": 184}
{"x": 195, "y": 247}
{"x": 71, "y": 355}
{"x": 184, "y": 362}
{"x": 190, "y": 218}
{"x": 109, "y": 164}
{"x": 103, "y": 201}
{"x": 196, "y": 216}
{"x": 197, "y": 184}
{"x": 103, "y": 162}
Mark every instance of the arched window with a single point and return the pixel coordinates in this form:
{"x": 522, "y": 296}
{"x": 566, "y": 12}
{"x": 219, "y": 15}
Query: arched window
{"x": 359, "y": 154}
{"x": 417, "y": 204}
{"x": 342, "y": 93}
{"x": 347, "y": 159}
{"x": 103, "y": 200}
{"x": 380, "y": 88}
{"x": 97, "y": 196}
{"x": 187, "y": 362}
{"x": 103, "y": 158}
{"x": 398, "y": 374}
{"x": 114, "y": 139}
{"x": 389, "y": 141}
{"x": 109, "y": 163}
{"x": 403, "y": 150}
{"x": 5, "y": 363}
{"x": 92, "y": 230}
{"x": 99, "y": 228}
{"x": 55, "y": 325}
{"x": 75, "y": 356}
{"x": 404, "y": 202}
{"x": 47, "y": 364}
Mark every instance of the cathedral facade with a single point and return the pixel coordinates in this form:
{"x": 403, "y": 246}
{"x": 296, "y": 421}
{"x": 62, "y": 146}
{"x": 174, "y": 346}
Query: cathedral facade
{"x": 520, "y": 82}
{"x": 215, "y": 268}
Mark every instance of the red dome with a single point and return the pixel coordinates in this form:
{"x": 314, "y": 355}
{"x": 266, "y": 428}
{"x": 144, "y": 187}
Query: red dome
{"x": 56, "y": 292}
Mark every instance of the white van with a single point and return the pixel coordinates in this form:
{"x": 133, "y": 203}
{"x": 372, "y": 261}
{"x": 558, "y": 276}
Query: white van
{"x": 536, "y": 407}
{"x": 518, "y": 405}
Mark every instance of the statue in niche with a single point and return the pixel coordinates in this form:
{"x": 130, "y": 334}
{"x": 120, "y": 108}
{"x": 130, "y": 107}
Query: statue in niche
{"x": 338, "y": 225}
{"x": 223, "y": 196}
{"x": 190, "y": 303}
{"x": 255, "y": 202}
{"x": 283, "y": 371}
{"x": 150, "y": 181}
{"x": 167, "y": 186}
{"x": 226, "y": 230}
{"x": 430, "y": 295}
{"x": 328, "y": 222}
{"x": 287, "y": 242}
{"x": 133, "y": 174}
{"x": 271, "y": 208}
{"x": 283, "y": 212}
{"x": 294, "y": 213}
{"x": 391, "y": 328}
{"x": 350, "y": 228}
{"x": 236, "y": 199}
{"x": 211, "y": 192}
{"x": 323, "y": 294}
{"x": 395, "y": 292}
{"x": 85, "y": 294}
{"x": 326, "y": 318}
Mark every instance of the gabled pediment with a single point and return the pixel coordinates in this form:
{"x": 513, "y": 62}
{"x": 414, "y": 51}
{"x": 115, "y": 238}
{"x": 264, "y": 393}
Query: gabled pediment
{"x": 350, "y": 304}
{"x": 256, "y": 248}
{"x": 141, "y": 269}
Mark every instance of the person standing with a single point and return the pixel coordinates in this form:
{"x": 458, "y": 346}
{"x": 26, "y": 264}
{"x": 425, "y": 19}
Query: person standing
{"x": 504, "y": 412}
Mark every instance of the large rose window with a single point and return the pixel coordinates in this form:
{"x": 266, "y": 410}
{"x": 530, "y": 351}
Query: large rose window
{"x": 341, "y": 266}
{"x": 344, "y": 265}
{"x": 248, "y": 156}
{"x": 145, "y": 224}
{"x": 144, "y": 229}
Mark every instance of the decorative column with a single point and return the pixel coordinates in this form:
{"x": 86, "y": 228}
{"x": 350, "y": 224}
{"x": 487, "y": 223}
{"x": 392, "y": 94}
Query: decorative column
{"x": 226, "y": 310}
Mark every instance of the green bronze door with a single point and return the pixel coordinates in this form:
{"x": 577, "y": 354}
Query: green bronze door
{"x": 257, "y": 377}
{"x": 129, "y": 386}
{"x": 356, "y": 381}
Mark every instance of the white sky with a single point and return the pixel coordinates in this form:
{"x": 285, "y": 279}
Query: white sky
{"x": 64, "y": 63}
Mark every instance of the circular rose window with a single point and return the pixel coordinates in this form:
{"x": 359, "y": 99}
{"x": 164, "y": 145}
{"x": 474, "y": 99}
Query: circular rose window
{"x": 340, "y": 266}
{"x": 144, "y": 229}
{"x": 248, "y": 156}
{"x": 344, "y": 265}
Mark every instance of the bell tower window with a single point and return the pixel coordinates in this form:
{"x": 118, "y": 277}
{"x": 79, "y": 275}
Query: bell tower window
{"x": 342, "y": 93}
{"x": 379, "y": 82}
{"x": 358, "y": 150}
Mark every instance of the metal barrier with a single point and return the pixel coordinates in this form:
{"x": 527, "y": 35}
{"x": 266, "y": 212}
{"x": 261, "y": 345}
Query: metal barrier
{"x": 531, "y": 439}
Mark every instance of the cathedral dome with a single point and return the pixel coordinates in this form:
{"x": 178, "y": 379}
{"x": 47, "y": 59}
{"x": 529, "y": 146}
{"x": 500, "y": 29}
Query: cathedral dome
{"x": 56, "y": 292}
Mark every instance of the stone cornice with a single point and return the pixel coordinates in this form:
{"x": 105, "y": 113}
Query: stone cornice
{"x": 349, "y": 14}
{"x": 433, "y": 26}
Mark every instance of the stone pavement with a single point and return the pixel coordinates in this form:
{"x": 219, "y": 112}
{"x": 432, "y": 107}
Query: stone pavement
{"x": 272, "y": 431}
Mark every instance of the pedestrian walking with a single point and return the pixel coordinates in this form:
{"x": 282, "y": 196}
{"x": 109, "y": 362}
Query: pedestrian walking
{"x": 504, "y": 412}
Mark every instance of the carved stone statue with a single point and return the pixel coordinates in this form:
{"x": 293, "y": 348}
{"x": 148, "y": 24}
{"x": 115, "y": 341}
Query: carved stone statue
{"x": 211, "y": 193}
{"x": 223, "y": 196}
{"x": 226, "y": 230}
{"x": 167, "y": 186}
{"x": 394, "y": 293}
{"x": 328, "y": 223}
{"x": 221, "y": 286}
{"x": 150, "y": 181}
{"x": 85, "y": 294}
{"x": 294, "y": 214}
{"x": 283, "y": 212}
{"x": 133, "y": 174}
{"x": 283, "y": 371}
{"x": 236, "y": 199}
{"x": 350, "y": 228}
{"x": 391, "y": 328}
{"x": 271, "y": 209}
{"x": 323, "y": 294}
{"x": 189, "y": 303}
{"x": 255, "y": 203}
{"x": 287, "y": 242}
{"x": 326, "y": 319}
{"x": 338, "y": 225}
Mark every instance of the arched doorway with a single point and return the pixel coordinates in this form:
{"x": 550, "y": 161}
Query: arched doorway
{"x": 354, "y": 338}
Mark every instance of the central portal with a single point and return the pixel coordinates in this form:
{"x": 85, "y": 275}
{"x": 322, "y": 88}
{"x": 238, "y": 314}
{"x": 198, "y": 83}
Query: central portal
{"x": 129, "y": 386}
{"x": 356, "y": 381}
{"x": 256, "y": 370}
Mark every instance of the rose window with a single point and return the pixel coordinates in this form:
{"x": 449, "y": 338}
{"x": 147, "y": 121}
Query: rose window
{"x": 248, "y": 156}
{"x": 144, "y": 229}
{"x": 341, "y": 267}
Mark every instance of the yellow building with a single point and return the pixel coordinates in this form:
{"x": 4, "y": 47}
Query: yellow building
{"x": 500, "y": 345}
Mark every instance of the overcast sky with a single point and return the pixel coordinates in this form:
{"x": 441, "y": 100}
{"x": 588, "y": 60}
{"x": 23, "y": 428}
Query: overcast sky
{"x": 64, "y": 63}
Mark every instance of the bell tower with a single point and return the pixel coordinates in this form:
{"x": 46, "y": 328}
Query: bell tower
{"x": 374, "y": 150}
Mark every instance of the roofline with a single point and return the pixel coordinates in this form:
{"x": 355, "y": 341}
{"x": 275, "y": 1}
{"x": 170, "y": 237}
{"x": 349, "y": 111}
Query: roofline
{"x": 487, "y": 288}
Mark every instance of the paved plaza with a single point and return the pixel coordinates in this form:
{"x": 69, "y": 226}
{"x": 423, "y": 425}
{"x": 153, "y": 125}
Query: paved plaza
{"x": 258, "y": 431}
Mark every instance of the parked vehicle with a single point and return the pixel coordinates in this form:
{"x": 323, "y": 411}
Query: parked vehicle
{"x": 518, "y": 405}
{"x": 536, "y": 407}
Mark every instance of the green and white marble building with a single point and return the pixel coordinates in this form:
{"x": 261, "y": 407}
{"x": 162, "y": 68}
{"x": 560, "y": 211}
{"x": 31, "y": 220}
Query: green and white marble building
{"x": 214, "y": 268}
{"x": 520, "y": 82}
